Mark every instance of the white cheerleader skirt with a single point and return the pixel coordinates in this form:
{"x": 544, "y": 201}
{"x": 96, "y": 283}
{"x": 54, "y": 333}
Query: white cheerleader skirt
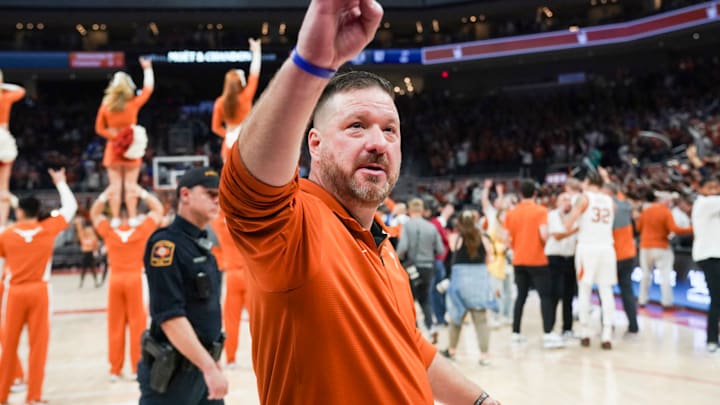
{"x": 8, "y": 147}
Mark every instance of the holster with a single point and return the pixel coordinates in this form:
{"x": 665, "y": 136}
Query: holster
{"x": 164, "y": 359}
{"x": 217, "y": 347}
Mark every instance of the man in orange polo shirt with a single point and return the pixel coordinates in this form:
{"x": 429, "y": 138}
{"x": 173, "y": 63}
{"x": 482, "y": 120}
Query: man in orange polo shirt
{"x": 655, "y": 225}
{"x": 27, "y": 248}
{"x": 526, "y": 226}
{"x": 331, "y": 312}
{"x": 125, "y": 248}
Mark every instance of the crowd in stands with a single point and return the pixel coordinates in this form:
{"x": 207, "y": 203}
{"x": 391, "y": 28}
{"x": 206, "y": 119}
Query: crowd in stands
{"x": 531, "y": 133}
{"x": 460, "y": 134}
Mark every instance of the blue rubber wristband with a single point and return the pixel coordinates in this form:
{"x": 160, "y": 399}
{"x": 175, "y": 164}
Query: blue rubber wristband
{"x": 310, "y": 68}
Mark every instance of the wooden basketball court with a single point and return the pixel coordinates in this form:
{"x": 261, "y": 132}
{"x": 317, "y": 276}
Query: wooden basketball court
{"x": 666, "y": 364}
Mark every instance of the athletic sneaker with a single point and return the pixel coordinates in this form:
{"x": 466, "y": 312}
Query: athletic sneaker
{"x": 517, "y": 338}
{"x": 712, "y": 347}
{"x": 553, "y": 341}
{"x": 115, "y": 222}
{"x": 232, "y": 366}
{"x": 568, "y": 334}
{"x": 134, "y": 222}
{"x": 115, "y": 378}
{"x": 18, "y": 386}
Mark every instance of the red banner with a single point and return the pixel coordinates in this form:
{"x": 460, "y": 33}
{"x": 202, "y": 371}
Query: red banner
{"x": 701, "y": 14}
{"x": 83, "y": 60}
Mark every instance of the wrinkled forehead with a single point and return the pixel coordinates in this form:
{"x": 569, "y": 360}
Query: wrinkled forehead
{"x": 368, "y": 100}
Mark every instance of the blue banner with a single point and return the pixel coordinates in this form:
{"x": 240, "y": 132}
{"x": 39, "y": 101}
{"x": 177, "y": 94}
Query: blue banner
{"x": 388, "y": 56}
{"x": 11, "y": 59}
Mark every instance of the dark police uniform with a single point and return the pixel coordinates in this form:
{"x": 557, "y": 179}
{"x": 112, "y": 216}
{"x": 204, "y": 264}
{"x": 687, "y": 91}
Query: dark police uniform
{"x": 183, "y": 280}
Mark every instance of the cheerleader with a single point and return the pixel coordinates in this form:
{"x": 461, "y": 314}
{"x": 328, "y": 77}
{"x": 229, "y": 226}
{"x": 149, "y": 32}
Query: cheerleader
{"x": 234, "y": 105}
{"x": 9, "y": 94}
{"x": 117, "y": 122}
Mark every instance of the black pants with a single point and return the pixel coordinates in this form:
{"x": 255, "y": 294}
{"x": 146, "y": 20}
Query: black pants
{"x": 421, "y": 292}
{"x": 540, "y": 278}
{"x": 711, "y": 267}
{"x": 88, "y": 264}
{"x": 624, "y": 271}
{"x": 564, "y": 287}
{"x": 187, "y": 387}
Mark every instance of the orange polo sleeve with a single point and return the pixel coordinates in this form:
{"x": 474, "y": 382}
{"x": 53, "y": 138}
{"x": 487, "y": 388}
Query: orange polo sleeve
{"x": 267, "y": 225}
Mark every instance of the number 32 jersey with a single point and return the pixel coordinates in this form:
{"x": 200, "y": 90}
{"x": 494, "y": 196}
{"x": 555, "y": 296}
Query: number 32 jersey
{"x": 596, "y": 222}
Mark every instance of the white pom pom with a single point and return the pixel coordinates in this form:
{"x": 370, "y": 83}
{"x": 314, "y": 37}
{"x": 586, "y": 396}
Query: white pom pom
{"x": 136, "y": 150}
{"x": 8, "y": 147}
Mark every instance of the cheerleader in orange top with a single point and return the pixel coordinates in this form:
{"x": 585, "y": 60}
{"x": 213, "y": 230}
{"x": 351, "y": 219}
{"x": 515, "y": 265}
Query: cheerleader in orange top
{"x": 235, "y": 103}
{"x": 117, "y": 122}
{"x": 9, "y": 93}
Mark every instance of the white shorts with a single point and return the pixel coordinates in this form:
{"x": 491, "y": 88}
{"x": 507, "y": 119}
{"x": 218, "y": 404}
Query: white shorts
{"x": 8, "y": 147}
{"x": 232, "y": 135}
{"x": 596, "y": 264}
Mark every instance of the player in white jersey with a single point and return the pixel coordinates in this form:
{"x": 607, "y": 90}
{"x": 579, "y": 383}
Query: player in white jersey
{"x": 595, "y": 262}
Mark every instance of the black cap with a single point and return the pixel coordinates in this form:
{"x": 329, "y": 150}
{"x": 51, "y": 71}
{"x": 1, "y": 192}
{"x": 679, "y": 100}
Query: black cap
{"x": 200, "y": 176}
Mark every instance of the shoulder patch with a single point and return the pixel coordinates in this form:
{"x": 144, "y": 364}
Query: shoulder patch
{"x": 162, "y": 253}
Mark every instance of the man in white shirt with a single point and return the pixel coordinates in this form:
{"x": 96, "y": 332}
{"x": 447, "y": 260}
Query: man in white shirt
{"x": 595, "y": 262}
{"x": 706, "y": 250}
{"x": 560, "y": 251}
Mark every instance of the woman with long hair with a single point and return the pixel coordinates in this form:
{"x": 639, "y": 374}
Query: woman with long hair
{"x": 9, "y": 94}
{"x": 117, "y": 122}
{"x": 470, "y": 286}
{"x": 234, "y": 105}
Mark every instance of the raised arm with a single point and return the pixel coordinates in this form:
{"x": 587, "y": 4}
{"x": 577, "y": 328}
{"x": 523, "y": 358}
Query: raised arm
{"x": 78, "y": 227}
{"x": 12, "y": 92}
{"x": 333, "y": 32}
{"x": 68, "y": 204}
{"x": 157, "y": 211}
{"x": 485, "y": 197}
{"x": 256, "y": 63}
{"x": 96, "y": 209}
{"x": 148, "y": 80}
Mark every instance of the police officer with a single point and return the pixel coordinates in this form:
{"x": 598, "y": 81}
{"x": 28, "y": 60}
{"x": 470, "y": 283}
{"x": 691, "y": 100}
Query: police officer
{"x": 180, "y": 351}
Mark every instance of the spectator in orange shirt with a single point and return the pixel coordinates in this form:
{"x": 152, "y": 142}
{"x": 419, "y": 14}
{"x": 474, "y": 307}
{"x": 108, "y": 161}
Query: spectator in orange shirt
{"x": 27, "y": 248}
{"x": 526, "y": 225}
{"x": 116, "y": 119}
{"x": 655, "y": 225}
{"x": 234, "y": 105}
{"x": 9, "y": 94}
{"x": 328, "y": 297}
{"x": 125, "y": 249}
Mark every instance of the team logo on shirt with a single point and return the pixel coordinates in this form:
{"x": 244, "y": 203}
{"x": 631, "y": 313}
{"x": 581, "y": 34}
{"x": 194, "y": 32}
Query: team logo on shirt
{"x": 28, "y": 234}
{"x": 162, "y": 253}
